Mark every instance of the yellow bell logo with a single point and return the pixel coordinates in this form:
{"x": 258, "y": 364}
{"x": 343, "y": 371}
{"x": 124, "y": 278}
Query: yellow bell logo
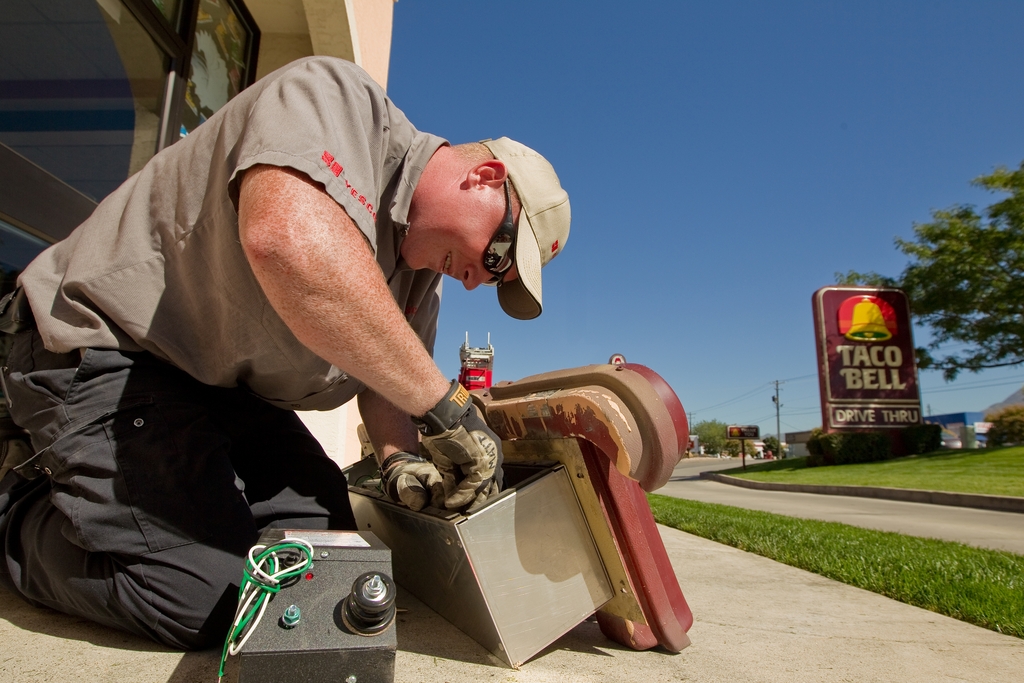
{"x": 867, "y": 318}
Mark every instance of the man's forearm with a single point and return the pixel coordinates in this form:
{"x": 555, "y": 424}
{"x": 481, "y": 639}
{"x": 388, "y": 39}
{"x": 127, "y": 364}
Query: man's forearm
{"x": 389, "y": 428}
{"x": 319, "y": 274}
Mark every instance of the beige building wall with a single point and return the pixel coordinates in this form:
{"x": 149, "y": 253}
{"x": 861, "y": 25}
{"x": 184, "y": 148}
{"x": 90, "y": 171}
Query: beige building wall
{"x": 356, "y": 30}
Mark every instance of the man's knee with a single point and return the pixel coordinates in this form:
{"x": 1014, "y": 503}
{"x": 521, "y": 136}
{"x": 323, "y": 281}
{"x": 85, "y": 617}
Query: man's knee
{"x": 201, "y": 631}
{"x": 184, "y": 597}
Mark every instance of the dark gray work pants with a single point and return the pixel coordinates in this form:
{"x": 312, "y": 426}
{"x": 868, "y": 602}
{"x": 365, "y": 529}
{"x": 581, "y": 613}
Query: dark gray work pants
{"x": 151, "y": 489}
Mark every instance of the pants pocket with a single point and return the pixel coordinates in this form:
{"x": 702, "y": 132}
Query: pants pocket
{"x": 180, "y": 482}
{"x": 135, "y": 485}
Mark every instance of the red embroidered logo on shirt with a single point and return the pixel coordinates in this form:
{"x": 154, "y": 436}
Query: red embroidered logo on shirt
{"x": 554, "y": 247}
{"x": 335, "y": 167}
{"x": 337, "y": 170}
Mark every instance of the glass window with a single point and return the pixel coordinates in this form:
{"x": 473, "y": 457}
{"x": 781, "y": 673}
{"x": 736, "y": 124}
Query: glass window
{"x": 81, "y": 89}
{"x": 168, "y": 8}
{"x": 220, "y": 62}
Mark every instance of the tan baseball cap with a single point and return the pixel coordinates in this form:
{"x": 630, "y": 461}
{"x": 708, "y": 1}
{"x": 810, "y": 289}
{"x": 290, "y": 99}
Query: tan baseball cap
{"x": 543, "y": 227}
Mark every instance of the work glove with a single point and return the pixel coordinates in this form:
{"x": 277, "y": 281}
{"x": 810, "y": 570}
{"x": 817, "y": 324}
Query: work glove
{"x": 412, "y": 481}
{"x": 464, "y": 449}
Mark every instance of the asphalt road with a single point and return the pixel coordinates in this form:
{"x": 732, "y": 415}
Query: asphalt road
{"x": 981, "y": 528}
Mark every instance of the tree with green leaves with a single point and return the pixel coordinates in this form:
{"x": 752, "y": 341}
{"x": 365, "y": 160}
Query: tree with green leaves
{"x": 735, "y": 448}
{"x": 965, "y": 280}
{"x": 771, "y": 443}
{"x": 712, "y": 435}
{"x": 1007, "y": 426}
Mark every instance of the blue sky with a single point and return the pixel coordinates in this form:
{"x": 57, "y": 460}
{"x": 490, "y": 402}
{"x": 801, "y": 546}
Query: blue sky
{"x": 723, "y": 161}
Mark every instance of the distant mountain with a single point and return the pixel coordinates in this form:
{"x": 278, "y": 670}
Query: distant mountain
{"x": 1015, "y": 397}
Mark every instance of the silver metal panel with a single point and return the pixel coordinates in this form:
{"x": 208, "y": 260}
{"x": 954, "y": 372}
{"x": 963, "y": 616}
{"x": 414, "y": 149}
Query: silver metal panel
{"x": 537, "y": 565}
{"x": 430, "y": 562}
{"x": 515, "y": 575}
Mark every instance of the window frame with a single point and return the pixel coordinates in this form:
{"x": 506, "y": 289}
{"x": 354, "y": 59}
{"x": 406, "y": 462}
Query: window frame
{"x": 178, "y": 43}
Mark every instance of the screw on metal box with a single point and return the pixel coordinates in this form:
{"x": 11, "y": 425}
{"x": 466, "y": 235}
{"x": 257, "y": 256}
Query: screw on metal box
{"x": 370, "y": 608}
{"x": 350, "y": 679}
{"x": 291, "y": 616}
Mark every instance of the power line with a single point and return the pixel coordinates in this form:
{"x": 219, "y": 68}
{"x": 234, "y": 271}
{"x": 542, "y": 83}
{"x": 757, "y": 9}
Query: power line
{"x": 753, "y": 392}
{"x": 978, "y": 382}
{"x": 968, "y": 388}
{"x": 733, "y": 400}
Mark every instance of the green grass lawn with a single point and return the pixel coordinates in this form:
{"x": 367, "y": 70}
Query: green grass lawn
{"x": 982, "y": 587}
{"x": 997, "y": 471}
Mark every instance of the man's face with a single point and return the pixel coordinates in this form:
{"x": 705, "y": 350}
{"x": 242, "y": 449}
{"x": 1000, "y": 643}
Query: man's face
{"x": 451, "y": 227}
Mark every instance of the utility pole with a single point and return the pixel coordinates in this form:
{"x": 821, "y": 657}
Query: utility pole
{"x": 778, "y": 430}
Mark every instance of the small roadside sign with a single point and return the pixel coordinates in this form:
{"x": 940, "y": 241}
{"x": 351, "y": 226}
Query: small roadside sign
{"x": 744, "y": 432}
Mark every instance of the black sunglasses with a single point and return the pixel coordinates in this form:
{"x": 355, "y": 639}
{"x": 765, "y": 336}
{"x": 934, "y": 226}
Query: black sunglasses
{"x": 500, "y": 253}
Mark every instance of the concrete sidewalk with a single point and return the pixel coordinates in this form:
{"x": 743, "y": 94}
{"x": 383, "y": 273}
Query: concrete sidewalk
{"x": 756, "y": 621}
{"x": 980, "y": 528}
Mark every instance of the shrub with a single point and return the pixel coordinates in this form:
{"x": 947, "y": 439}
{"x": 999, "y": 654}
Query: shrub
{"x": 863, "y": 447}
{"x": 1007, "y": 426}
{"x": 820, "y": 446}
{"x": 923, "y": 438}
{"x": 841, "y": 448}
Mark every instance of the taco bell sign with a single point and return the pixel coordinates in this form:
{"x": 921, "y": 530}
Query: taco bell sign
{"x": 866, "y": 365}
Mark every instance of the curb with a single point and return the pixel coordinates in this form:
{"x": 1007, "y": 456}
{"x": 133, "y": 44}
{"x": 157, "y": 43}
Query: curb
{"x": 968, "y": 500}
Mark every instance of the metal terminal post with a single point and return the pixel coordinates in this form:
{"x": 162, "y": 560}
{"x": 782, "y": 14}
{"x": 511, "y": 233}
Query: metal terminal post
{"x": 374, "y": 588}
{"x": 291, "y": 616}
{"x": 370, "y": 608}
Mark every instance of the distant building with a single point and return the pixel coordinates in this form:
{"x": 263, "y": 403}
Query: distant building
{"x": 970, "y": 427}
{"x": 477, "y": 365}
{"x": 796, "y": 444}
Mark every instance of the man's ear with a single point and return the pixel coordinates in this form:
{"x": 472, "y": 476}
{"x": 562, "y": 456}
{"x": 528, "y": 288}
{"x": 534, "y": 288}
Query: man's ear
{"x": 490, "y": 173}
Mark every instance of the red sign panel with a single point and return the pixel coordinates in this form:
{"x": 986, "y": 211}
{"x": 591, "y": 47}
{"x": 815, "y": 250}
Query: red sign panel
{"x": 866, "y": 363}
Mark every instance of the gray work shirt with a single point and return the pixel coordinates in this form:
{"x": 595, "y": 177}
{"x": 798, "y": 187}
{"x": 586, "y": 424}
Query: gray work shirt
{"x": 159, "y": 267}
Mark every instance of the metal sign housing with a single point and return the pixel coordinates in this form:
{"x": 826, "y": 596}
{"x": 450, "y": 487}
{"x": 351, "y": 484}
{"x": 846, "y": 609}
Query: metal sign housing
{"x": 743, "y": 432}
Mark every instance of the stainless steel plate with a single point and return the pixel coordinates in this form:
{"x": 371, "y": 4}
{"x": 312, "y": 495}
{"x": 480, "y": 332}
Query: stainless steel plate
{"x": 515, "y": 575}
